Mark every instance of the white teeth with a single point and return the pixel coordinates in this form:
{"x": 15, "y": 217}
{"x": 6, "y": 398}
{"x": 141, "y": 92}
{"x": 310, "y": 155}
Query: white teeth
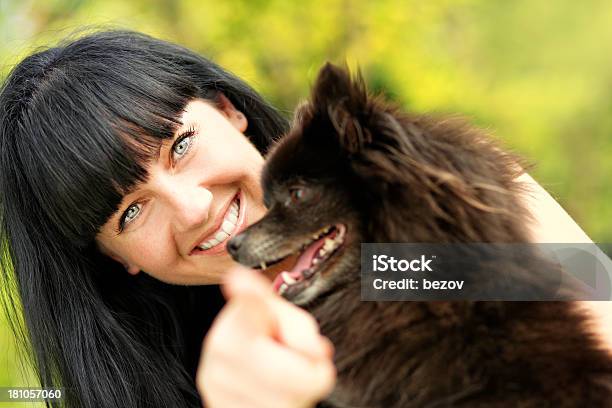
{"x": 289, "y": 280}
{"x": 329, "y": 244}
{"x": 233, "y": 218}
{"x": 221, "y": 236}
{"x": 262, "y": 265}
{"x": 282, "y": 289}
{"x": 227, "y": 226}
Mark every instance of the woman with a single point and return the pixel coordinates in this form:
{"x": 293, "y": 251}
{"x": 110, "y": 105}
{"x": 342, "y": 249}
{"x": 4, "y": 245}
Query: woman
{"x": 126, "y": 164}
{"x": 122, "y": 154}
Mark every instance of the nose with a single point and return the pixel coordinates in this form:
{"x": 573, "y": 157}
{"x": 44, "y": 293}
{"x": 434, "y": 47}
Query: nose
{"x": 191, "y": 205}
{"x": 233, "y": 246}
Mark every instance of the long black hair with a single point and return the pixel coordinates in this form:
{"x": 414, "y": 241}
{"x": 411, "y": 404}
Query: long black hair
{"x": 78, "y": 123}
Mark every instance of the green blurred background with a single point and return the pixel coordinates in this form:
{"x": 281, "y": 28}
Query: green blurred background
{"x": 537, "y": 73}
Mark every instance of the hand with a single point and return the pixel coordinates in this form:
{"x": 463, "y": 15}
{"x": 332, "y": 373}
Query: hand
{"x": 263, "y": 351}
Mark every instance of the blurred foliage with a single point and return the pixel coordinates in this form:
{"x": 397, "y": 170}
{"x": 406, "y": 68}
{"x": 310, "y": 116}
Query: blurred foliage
{"x": 537, "y": 73}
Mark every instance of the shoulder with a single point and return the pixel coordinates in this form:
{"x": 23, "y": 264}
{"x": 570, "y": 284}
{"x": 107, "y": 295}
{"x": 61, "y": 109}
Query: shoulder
{"x": 552, "y": 224}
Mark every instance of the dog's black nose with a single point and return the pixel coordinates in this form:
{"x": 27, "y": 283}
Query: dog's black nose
{"x": 233, "y": 245}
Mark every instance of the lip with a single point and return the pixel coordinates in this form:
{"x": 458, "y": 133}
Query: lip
{"x": 240, "y": 224}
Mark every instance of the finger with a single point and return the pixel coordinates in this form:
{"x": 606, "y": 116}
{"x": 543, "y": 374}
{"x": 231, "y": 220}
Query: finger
{"x": 300, "y": 377}
{"x": 268, "y": 375}
{"x": 328, "y": 348}
{"x": 240, "y": 280}
{"x": 243, "y": 317}
{"x": 228, "y": 388}
{"x": 247, "y": 319}
{"x": 298, "y": 330}
{"x": 259, "y": 395}
{"x": 272, "y": 315}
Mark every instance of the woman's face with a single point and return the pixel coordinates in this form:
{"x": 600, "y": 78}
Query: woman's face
{"x": 201, "y": 191}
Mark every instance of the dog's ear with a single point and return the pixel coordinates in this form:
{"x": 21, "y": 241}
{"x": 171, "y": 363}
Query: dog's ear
{"x": 334, "y": 86}
{"x": 344, "y": 101}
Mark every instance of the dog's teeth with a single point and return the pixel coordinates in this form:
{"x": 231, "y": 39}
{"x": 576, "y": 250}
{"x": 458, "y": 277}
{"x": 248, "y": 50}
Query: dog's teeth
{"x": 316, "y": 261}
{"x": 262, "y": 265}
{"x": 282, "y": 289}
{"x": 289, "y": 280}
{"x": 329, "y": 244}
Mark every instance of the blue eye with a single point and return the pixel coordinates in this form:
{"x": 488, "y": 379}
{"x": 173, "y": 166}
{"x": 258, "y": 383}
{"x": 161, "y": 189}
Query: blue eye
{"x": 182, "y": 145}
{"x": 129, "y": 215}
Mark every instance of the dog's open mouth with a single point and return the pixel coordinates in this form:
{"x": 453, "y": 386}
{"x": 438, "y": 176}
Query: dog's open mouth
{"x": 314, "y": 258}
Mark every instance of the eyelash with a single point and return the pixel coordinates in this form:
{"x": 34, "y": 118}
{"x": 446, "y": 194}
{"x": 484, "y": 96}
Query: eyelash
{"x": 121, "y": 225}
{"x": 190, "y": 133}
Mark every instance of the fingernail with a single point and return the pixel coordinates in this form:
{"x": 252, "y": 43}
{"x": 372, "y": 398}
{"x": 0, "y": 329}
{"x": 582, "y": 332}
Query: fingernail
{"x": 328, "y": 347}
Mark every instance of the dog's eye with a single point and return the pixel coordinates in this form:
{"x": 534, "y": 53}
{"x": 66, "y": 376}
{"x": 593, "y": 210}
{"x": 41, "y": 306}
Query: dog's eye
{"x": 296, "y": 194}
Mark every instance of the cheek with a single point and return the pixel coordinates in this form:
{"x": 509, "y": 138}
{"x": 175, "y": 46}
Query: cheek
{"x": 155, "y": 254}
{"x": 233, "y": 162}
{"x": 245, "y": 160}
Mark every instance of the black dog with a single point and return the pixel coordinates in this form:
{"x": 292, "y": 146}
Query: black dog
{"x": 356, "y": 169}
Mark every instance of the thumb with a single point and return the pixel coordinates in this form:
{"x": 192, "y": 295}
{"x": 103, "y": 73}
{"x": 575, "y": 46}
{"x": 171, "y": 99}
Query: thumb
{"x": 243, "y": 281}
{"x": 286, "y": 323}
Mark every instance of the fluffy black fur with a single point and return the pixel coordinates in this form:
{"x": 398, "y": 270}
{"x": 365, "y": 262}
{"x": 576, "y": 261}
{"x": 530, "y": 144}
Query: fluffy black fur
{"x": 358, "y": 161}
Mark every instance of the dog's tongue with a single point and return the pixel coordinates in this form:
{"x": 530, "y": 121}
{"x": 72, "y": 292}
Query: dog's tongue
{"x": 303, "y": 262}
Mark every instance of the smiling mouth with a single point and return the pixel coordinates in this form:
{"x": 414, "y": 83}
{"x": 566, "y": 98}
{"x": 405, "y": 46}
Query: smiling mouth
{"x": 228, "y": 228}
{"x": 314, "y": 257}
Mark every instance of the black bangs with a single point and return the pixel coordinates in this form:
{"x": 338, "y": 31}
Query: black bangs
{"x": 96, "y": 115}
{"x": 80, "y": 123}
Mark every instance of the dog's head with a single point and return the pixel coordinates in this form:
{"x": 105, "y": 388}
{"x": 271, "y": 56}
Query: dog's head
{"x": 354, "y": 169}
{"x": 310, "y": 191}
